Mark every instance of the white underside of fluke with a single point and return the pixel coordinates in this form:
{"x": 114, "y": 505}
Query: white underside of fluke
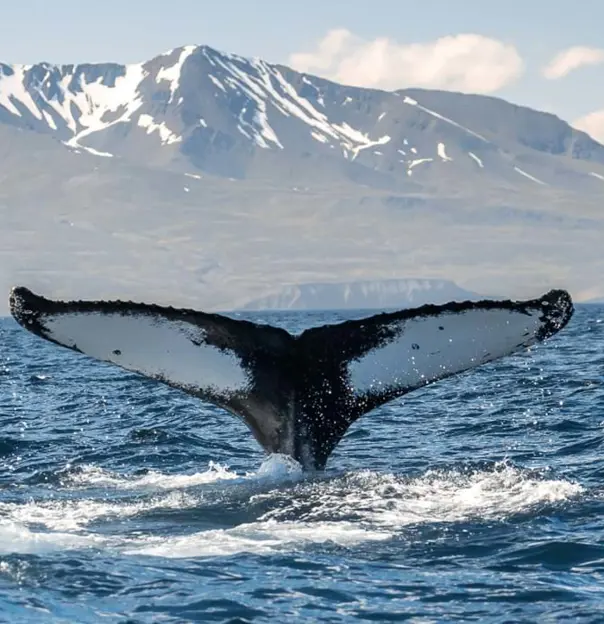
{"x": 427, "y": 348}
{"x": 153, "y": 346}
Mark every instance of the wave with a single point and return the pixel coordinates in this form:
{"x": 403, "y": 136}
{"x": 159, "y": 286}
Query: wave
{"x": 282, "y": 508}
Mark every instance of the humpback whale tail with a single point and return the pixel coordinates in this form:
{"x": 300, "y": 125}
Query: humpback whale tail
{"x": 297, "y": 394}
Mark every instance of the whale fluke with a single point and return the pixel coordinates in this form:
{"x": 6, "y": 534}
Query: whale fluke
{"x": 297, "y": 394}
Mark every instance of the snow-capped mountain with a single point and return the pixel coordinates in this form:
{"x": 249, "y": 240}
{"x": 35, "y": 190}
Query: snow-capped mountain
{"x": 197, "y": 110}
{"x": 363, "y": 295}
{"x": 212, "y": 181}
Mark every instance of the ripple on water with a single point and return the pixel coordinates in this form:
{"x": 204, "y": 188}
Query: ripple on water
{"x": 121, "y": 500}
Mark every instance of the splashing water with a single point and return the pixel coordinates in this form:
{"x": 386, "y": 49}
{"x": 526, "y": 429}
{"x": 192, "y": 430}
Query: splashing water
{"x": 126, "y": 501}
{"x": 280, "y": 467}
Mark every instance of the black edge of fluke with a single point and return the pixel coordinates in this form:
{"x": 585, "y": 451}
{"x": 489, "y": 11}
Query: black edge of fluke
{"x": 557, "y": 306}
{"x": 26, "y": 307}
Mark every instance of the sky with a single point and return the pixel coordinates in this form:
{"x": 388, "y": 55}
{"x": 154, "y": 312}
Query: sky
{"x": 546, "y": 54}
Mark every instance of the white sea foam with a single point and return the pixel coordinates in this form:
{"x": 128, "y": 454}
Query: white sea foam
{"x": 257, "y": 537}
{"x": 17, "y": 538}
{"x": 98, "y": 477}
{"x": 346, "y": 510}
{"x": 276, "y": 467}
{"x": 390, "y": 502}
{"x": 450, "y": 496}
{"x": 75, "y": 515}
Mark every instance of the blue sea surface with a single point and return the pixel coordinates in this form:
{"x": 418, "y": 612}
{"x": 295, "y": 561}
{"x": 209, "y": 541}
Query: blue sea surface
{"x": 477, "y": 499}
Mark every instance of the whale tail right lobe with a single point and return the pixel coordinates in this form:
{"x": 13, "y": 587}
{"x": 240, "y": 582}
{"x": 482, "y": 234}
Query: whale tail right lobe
{"x": 356, "y": 366}
{"x": 298, "y": 395}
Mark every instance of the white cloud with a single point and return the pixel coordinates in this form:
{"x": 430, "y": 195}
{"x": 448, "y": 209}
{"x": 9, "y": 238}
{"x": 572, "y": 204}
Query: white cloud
{"x": 465, "y": 62}
{"x": 572, "y": 58}
{"x": 593, "y": 124}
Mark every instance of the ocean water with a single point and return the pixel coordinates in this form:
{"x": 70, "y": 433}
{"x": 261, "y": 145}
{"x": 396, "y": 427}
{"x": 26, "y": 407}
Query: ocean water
{"x": 479, "y": 498}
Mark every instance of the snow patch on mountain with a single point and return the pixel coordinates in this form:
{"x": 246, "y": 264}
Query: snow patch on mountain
{"x": 96, "y": 100}
{"x": 172, "y": 73}
{"x": 166, "y": 135}
{"x": 413, "y": 102}
{"x": 442, "y": 152}
{"x": 49, "y": 120}
{"x": 216, "y": 82}
{"x": 475, "y": 158}
{"x": 414, "y": 163}
{"x": 528, "y": 175}
{"x": 354, "y": 141}
{"x": 13, "y": 90}
{"x": 267, "y": 85}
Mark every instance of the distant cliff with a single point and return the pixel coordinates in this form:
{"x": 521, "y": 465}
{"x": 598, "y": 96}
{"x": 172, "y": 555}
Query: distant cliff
{"x": 370, "y": 294}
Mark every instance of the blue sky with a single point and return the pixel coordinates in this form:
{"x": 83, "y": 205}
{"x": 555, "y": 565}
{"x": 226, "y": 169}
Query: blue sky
{"x": 68, "y": 31}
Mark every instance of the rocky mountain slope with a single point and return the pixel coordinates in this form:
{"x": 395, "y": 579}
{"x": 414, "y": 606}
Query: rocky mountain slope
{"x": 203, "y": 178}
{"x": 195, "y": 109}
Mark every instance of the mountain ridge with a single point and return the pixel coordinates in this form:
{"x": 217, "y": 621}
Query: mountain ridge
{"x": 197, "y": 109}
